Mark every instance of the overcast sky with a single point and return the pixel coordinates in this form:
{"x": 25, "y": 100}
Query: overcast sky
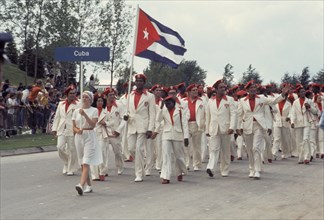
{"x": 274, "y": 36}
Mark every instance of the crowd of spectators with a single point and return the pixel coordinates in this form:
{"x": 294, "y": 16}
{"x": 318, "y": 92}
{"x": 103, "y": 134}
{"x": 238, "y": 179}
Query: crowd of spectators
{"x": 29, "y": 108}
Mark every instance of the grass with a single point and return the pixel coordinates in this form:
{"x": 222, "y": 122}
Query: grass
{"x": 15, "y": 75}
{"x": 26, "y": 141}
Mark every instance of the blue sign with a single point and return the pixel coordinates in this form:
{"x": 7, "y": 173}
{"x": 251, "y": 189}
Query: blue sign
{"x": 82, "y": 54}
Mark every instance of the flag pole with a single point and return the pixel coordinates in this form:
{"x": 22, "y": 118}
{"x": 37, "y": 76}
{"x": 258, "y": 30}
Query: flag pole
{"x": 132, "y": 61}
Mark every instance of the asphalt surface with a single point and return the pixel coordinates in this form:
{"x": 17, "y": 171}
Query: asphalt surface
{"x": 33, "y": 187}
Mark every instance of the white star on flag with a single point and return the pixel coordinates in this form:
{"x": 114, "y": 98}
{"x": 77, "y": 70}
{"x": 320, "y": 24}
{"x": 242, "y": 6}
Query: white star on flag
{"x": 146, "y": 34}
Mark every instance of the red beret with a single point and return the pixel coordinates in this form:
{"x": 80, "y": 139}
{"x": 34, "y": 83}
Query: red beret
{"x": 217, "y": 83}
{"x": 68, "y": 89}
{"x": 141, "y": 76}
{"x": 241, "y": 93}
{"x": 155, "y": 87}
{"x": 97, "y": 95}
{"x": 181, "y": 84}
{"x": 249, "y": 84}
{"x": 109, "y": 90}
{"x": 190, "y": 87}
{"x": 234, "y": 87}
{"x": 316, "y": 85}
{"x": 268, "y": 85}
{"x": 173, "y": 88}
{"x": 165, "y": 89}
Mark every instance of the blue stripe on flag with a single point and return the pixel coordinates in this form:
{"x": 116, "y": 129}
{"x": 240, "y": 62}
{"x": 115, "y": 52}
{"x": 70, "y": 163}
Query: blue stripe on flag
{"x": 157, "y": 58}
{"x": 176, "y": 49}
{"x": 167, "y": 30}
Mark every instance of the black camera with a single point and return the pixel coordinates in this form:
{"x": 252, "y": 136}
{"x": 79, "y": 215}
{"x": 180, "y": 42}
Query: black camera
{"x": 4, "y": 38}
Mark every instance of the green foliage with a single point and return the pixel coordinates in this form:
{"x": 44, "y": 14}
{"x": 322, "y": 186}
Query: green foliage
{"x": 304, "y": 78}
{"x": 12, "y": 53}
{"x": 15, "y": 75}
{"x": 319, "y": 77}
{"x": 251, "y": 74}
{"x": 188, "y": 72}
{"x": 228, "y": 75}
{"x": 287, "y": 78}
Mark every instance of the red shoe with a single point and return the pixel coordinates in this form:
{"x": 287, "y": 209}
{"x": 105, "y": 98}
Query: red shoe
{"x": 130, "y": 159}
{"x": 306, "y": 161}
{"x": 180, "y": 178}
{"x": 270, "y": 160}
{"x": 165, "y": 181}
{"x": 232, "y": 158}
{"x": 317, "y": 156}
{"x": 322, "y": 156}
{"x": 239, "y": 158}
{"x": 102, "y": 177}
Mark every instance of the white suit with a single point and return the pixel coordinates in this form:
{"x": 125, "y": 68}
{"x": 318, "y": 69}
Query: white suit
{"x": 141, "y": 120}
{"x": 63, "y": 126}
{"x": 173, "y": 135}
{"x": 254, "y": 124}
{"x": 218, "y": 121}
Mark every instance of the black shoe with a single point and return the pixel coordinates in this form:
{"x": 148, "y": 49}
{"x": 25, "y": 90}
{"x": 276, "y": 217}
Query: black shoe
{"x": 210, "y": 173}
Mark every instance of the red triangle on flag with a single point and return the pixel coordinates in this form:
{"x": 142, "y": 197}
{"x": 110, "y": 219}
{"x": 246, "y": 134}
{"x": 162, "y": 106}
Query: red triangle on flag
{"x": 146, "y": 33}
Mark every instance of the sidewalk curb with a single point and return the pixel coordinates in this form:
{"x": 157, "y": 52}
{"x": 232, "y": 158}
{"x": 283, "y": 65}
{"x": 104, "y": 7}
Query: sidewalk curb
{"x": 31, "y": 150}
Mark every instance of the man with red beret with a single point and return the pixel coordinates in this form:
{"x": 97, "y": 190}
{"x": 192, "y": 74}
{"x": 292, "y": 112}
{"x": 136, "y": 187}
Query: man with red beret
{"x": 252, "y": 123}
{"x": 196, "y": 117}
{"x": 220, "y": 126}
{"x": 181, "y": 90}
{"x": 301, "y": 111}
{"x": 63, "y": 129}
{"x": 141, "y": 120}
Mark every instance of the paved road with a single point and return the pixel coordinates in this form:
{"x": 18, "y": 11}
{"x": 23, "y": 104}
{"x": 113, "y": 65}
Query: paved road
{"x": 32, "y": 187}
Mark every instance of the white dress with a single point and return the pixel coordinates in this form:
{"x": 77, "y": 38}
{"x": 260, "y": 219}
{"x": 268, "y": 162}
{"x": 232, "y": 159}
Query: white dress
{"x": 87, "y": 146}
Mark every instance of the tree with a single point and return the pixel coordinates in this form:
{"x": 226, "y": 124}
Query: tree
{"x": 319, "y": 77}
{"x": 12, "y": 52}
{"x": 251, "y": 74}
{"x": 228, "y": 75}
{"x": 304, "y": 78}
{"x": 114, "y": 29}
{"x": 287, "y": 78}
{"x": 188, "y": 72}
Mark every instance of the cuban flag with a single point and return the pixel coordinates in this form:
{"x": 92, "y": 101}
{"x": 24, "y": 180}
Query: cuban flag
{"x": 157, "y": 42}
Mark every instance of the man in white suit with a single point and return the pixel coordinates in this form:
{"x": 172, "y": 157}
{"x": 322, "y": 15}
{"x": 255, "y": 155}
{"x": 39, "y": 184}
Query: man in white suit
{"x": 301, "y": 118}
{"x": 175, "y": 134}
{"x": 252, "y": 123}
{"x": 220, "y": 125}
{"x": 196, "y": 124}
{"x": 63, "y": 129}
{"x": 141, "y": 119}
{"x": 281, "y": 131}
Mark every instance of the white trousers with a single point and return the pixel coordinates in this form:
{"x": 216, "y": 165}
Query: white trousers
{"x": 240, "y": 147}
{"x": 282, "y": 140}
{"x": 195, "y": 145}
{"x": 169, "y": 146}
{"x": 219, "y": 146}
{"x": 294, "y": 149}
{"x": 316, "y": 141}
{"x": 254, "y": 145}
{"x": 124, "y": 143}
{"x": 67, "y": 152}
{"x": 136, "y": 144}
{"x": 302, "y": 141}
{"x": 267, "y": 151}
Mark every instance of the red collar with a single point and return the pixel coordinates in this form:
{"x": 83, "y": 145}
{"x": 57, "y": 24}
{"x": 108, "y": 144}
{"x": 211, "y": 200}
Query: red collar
{"x": 113, "y": 104}
{"x": 247, "y": 97}
{"x": 143, "y": 92}
{"x": 66, "y": 102}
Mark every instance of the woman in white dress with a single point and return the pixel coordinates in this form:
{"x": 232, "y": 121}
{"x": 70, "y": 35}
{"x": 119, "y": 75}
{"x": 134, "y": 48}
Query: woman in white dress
{"x": 88, "y": 150}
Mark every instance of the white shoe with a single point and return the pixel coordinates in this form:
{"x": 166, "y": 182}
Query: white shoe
{"x": 70, "y": 174}
{"x": 64, "y": 169}
{"x": 87, "y": 189}
{"x": 147, "y": 173}
{"x": 120, "y": 171}
{"x": 251, "y": 175}
{"x": 79, "y": 188}
{"x": 196, "y": 169}
{"x": 138, "y": 179}
{"x": 256, "y": 175}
